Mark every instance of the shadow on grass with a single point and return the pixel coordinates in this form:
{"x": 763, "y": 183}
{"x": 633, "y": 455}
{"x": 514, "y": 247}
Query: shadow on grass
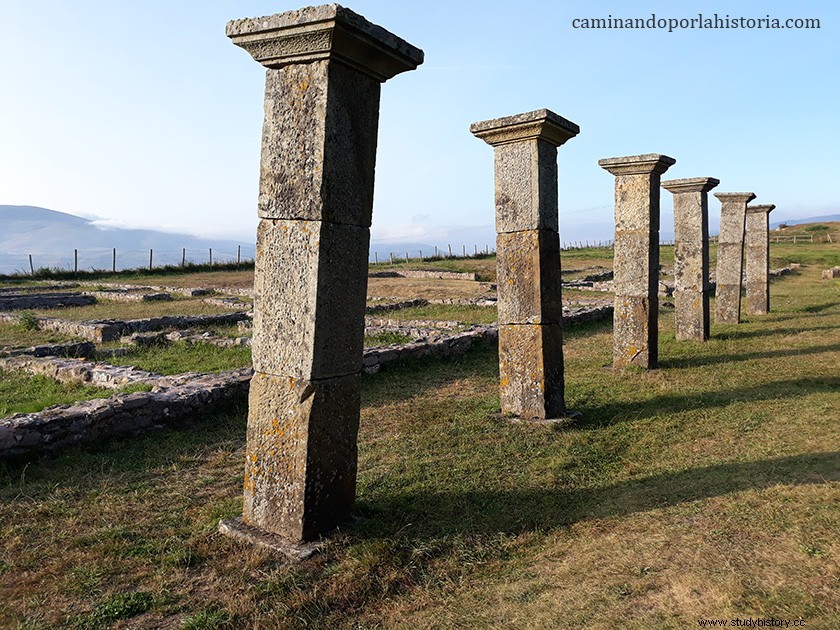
{"x": 697, "y": 361}
{"x": 768, "y": 331}
{"x": 595, "y": 417}
{"x": 537, "y": 509}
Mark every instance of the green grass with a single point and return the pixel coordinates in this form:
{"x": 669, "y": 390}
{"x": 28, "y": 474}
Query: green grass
{"x": 25, "y": 393}
{"x": 15, "y": 335}
{"x": 386, "y": 339}
{"x": 706, "y": 488}
{"x": 184, "y": 357}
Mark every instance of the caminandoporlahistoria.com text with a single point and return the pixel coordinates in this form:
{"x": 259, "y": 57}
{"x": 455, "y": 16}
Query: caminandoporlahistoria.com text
{"x": 700, "y": 21}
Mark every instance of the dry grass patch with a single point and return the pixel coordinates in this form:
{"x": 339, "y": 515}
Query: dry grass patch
{"x": 108, "y": 309}
{"x": 410, "y": 288}
{"x": 709, "y": 487}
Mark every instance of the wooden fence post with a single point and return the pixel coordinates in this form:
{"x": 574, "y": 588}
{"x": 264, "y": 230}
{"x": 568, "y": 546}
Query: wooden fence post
{"x": 114, "y": 260}
{"x": 75, "y": 261}
{"x": 31, "y": 267}
{"x": 151, "y": 251}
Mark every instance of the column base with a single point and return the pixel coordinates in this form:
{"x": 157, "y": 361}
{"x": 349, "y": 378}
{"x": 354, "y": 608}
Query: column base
{"x": 296, "y": 551}
{"x": 567, "y": 417}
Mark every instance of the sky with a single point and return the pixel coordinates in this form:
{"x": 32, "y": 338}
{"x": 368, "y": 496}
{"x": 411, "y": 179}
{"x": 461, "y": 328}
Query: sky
{"x": 144, "y": 114}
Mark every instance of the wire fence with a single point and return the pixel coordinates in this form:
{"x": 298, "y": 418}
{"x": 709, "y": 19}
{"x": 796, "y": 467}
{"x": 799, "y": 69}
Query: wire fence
{"x": 113, "y": 259}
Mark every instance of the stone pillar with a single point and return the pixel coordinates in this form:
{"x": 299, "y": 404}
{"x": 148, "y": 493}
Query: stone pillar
{"x": 758, "y": 259}
{"x": 730, "y": 255}
{"x": 528, "y": 260}
{"x": 324, "y": 66}
{"x": 691, "y": 255}
{"x": 636, "y": 257}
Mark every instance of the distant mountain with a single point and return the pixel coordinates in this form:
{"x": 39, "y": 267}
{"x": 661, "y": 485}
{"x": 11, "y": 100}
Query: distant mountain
{"x": 51, "y": 236}
{"x": 823, "y": 219}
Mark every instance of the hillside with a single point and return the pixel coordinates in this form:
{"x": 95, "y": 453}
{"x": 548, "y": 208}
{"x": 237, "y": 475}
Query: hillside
{"x": 51, "y": 236}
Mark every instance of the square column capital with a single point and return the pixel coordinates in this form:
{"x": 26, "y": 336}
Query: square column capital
{"x": 541, "y": 124}
{"x": 690, "y": 185}
{"x": 765, "y": 208}
{"x": 735, "y": 197}
{"x": 328, "y": 31}
{"x": 646, "y": 164}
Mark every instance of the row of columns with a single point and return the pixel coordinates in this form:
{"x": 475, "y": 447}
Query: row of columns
{"x": 324, "y": 67}
{"x": 636, "y": 258}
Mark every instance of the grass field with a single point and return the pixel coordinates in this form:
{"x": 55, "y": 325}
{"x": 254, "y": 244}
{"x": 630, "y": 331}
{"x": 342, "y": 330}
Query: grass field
{"x": 708, "y": 488}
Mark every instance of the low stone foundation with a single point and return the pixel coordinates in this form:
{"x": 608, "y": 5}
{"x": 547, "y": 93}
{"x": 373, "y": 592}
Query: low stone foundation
{"x": 828, "y": 274}
{"x": 20, "y": 301}
{"x": 128, "y": 295}
{"x": 172, "y": 400}
{"x": 102, "y": 330}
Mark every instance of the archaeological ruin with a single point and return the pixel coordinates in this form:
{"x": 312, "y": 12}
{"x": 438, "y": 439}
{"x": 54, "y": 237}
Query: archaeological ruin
{"x": 636, "y": 257}
{"x": 691, "y": 255}
{"x": 324, "y": 67}
{"x": 757, "y": 258}
{"x": 530, "y": 308}
{"x": 730, "y": 254}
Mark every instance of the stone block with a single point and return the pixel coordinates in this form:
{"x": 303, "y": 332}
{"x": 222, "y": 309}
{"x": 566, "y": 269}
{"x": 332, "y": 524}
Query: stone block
{"x": 526, "y": 186}
{"x": 635, "y": 198}
{"x": 729, "y": 267}
{"x": 531, "y": 370}
{"x": 635, "y": 264}
{"x": 310, "y": 285}
{"x": 690, "y": 270}
{"x": 828, "y": 274}
{"x": 301, "y": 454}
{"x": 319, "y": 144}
{"x": 635, "y": 332}
{"x": 728, "y": 303}
{"x": 692, "y": 315}
{"x": 529, "y": 283}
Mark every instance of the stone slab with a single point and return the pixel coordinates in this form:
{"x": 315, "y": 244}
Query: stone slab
{"x": 645, "y": 164}
{"x": 531, "y": 370}
{"x": 301, "y": 454}
{"x": 541, "y": 124}
{"x": 310, "y": 284}
{"x": 324, "y": 32}
{"x": 529, "y": 282}
{"x": 237, "y": 528}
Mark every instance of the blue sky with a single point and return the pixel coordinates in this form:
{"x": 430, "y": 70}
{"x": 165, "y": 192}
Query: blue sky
{"x": 145, "y": 115}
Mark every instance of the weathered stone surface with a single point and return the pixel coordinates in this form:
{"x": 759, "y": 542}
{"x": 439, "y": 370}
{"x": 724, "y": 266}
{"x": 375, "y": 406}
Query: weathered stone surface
{"x": 525, "y": 162}
{"x": 828, "y": 274}
{"x": 300, "y": 472}
{"x": 635, "y": 332}
{"x": 324, "y": 32}
{"x": 636, "y": 257}
{"x": 528, "y": 272}
{"x": 757, "y": 250}
{"x": 691, "y": 255}
{"x": 309, "y": 304}
{"x": 319, "y": 144}
{"x": 531, "y": 370}
{"x": 528, "y": 259}
{"x": 325, "y": 65}
{"x": 730, "y": 254}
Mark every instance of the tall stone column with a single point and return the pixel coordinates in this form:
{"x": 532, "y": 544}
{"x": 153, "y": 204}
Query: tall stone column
{"x": 636, "y": 257}
{"x": 758, "y": 259}
{"x": 730, "y": 256}
{"x": 691, "y": 255}
{"x": 528, "y": 260}
{"x": 324, "y": 69}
